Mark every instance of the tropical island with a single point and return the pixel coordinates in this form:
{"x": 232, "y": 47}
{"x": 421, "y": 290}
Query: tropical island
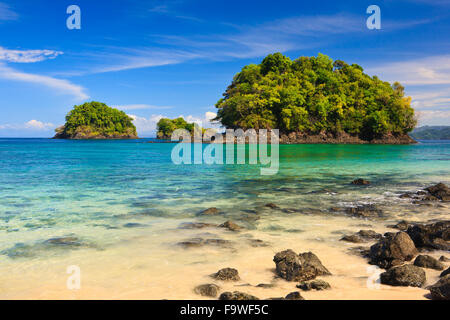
{"x": 95, "y": 120}
{"x": 312, "y": 100}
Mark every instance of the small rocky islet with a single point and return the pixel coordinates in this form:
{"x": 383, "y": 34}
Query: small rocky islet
{"x": 401, "y": 254}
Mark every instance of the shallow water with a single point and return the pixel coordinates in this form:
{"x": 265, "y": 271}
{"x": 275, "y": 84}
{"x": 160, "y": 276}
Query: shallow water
{"x": 123, "y": 203}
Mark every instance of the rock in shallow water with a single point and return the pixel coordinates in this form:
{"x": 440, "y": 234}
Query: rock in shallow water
{"x": 426, "y": 261}
{"x": 314, "y": 285}
{"x": 432, "y": 236}
{"x": 392, "y": 250}
{"x": 298, "y": 267}
{"x": 360, "y": 182}
{"x": 230, "y": 225}
{"x": 227, "y": 274}
{"x": 362, "y": 236}
{"x": 207, "y": 290}
{"x": 445, "y": 272}
{"x": 406, "y": 275}
{"x": 237, "y": 295}
{"x": 441, "y": 289}
{"x": 294, "y": 296}
{"x": 210, "y": 211}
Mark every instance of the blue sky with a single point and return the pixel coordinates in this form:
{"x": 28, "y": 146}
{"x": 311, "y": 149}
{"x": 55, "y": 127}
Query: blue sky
{"x": 155, "y": 58}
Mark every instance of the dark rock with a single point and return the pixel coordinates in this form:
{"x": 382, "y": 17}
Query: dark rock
{"x": 230, "y": 225}
{"x": 196, "y": 225}
{"x": 314, "y": 285}
{"x": 405, "y": 195}
{"x": 440, "y": 191}
{"x": 392, "y": 250}
{"x": 445, "y": 272}
{"x": 210, "y": 211}
{"x": 406, "y": 275}
{"x": 207, "y": 290}
{"x": 360, "y": 251}
{"x": 271, "y": 205}
{"x": 360, "y": 182}
{"x": 298, "y": 267}
{"x": 444, "y": 259}
{"x": 441, "y": 289}
{"x": 402, "y": 225}
{"x": 294, "y": 296}
{"x": 364, "y": 211}
{"x": 265, "y": 285}
{"x": 362, "y": 236}
{"x": 227, "y": 274}
{"x": 432, "y": 236}
{"x": 236, "y": 295}
{"x": 426, "y": 261}
{"x": 354, "y": 238}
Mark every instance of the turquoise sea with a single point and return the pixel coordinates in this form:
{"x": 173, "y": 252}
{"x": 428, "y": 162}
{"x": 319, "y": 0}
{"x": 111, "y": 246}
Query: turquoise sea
{"x": 121, "y": 204}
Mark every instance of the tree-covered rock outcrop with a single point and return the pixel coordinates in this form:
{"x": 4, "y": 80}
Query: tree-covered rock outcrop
{"x": 95, "y": 120}
{"x": 315, "y": 96}
{"x": 165, "y": 127}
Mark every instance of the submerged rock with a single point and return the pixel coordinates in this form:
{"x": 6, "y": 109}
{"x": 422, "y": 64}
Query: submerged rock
{"x": 392, "y": 250}
{"x": 314, "y": 285}
{"x": 441, "y": 289}
{"x": 432, "y": 236}
{"x": 426, "y": 261}
{"x": 210, "y": 211}
{"x": 265, "y": 285}
{"x": 294, "y": 296}
{"x": 64, "y": 241}
{"x": 298, "y": 267}
{"x": 230, "y": 225}
{"x": 227, "y": 274}
{"x": 133, "y": 225}
{"x": 257, "y": 243}
{"x": 199, "y": 242}
{"x": 364, "y": 211}
{"x": 236, "y": 295}
{"x": 360, "y": 182}
{"x": 444, "y": 259}
{"x": 207, "y": 290}
{"x": 271, "y": 205}
{"x": 196, "y": 225}
{"x": 362, "y": 236}
{"x": 406, "y": 275}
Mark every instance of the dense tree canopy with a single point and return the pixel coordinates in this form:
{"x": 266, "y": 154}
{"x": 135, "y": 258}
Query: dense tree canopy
{"x": 97, "y": 119}
{"x": 313, "y": 94}
{"x": 166, "y": 126}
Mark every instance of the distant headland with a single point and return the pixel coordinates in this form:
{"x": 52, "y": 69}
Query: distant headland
{"x": 95, "y": 120}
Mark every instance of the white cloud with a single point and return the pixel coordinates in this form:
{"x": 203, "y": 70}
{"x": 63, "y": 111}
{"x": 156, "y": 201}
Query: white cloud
{"x": 27, "y": 56}
{"x": 141, "y": 106}
{"x": 425, "y": 71}
{"x": 6, "y": 13}
{"x": 59, "y": 85}
{"x": 33, "y": 125}
{"x": 434, "y": 117}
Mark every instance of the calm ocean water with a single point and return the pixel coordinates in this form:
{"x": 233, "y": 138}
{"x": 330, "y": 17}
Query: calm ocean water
{"x": 108, "y": 193}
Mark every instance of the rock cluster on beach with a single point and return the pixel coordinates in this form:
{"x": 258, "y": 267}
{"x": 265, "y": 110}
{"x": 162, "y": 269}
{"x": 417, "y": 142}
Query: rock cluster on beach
{"x": 403, "y": 254}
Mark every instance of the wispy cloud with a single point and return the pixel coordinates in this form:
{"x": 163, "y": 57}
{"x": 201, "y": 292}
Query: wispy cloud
{"x": 59, "y": 85}
{"x": 6, "y": 13}
{"x": 27, "y": 56}
{"x": 425, "y": 71}
{"x": 34, "y": 125}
